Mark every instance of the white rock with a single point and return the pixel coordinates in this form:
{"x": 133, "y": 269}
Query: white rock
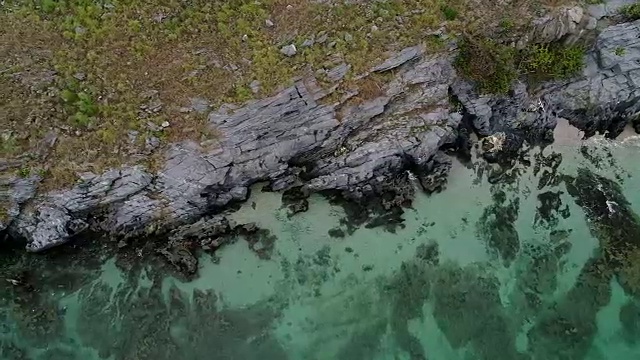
{"x": 255, "y": 86}
{"x": 289, "y": 50}
{"x": 165, "y": 124}
{"x": 269, "y": 23}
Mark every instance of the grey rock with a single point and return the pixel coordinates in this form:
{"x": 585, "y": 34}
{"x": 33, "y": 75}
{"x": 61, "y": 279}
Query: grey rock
{"x": 255, "y": 86}
{"x": 607, "y": 95}
{"x": 14, "y": 193}
{"x": 46, "y": 144}
{"x": 199, "y": 105}
{"x": 151, "y": 143}
{"x": 289, "y": 50}
{"x": 45, "y": 227}
{"x": 80, "y": 76}
{"x": 269, "y": 23}
{"x": 153, "y": 127}
{"x": 477, "y": 105}
{"x": 59, "y": 216}
{"x": 506, "y": 123}
{"x": 133, "y": 136}
{"x": 401, "y": 58}
{"x": 597, "y": 11}
{"x": 557, "y": 25}
{"x": 322, "y": 37}
{"x": 338, "y": 72}
{"x": 159, "y": 17}
{"x": 134, "y": 217}
{"x": 348, "y": 37}
{"x": 308, "y": 42}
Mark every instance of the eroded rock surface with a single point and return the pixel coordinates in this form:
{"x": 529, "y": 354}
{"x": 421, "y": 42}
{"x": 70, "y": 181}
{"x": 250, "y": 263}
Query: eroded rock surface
{"x": 296, "y": 138}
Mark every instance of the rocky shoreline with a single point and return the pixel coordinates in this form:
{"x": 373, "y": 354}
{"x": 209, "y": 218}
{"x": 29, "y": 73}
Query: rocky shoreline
{"x": 365, "y": 148}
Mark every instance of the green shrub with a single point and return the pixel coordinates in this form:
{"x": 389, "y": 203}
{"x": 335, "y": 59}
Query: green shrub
{"x": 545, "y": 61}
{"x": 24, "y": 172}
{"x": 81, "y": 105}
{"x": 490, "y": 64}
{"x": 507, "y": 24}
{"x": 631, "y": 12}
{"x": 494, "y": 66}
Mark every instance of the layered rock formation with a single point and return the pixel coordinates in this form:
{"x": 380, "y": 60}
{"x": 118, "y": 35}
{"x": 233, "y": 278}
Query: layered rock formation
{"x": 297, "y": 138}
{"x": 302, "y": 139}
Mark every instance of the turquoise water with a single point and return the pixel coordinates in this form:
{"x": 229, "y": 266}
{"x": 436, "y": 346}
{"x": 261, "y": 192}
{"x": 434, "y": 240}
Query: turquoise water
{"x": 525, "y": 268}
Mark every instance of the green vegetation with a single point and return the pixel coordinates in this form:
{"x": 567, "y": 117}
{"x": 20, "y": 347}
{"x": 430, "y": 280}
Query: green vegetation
{"x": 494, "y": 66}
{"x": 24, "y": 172}
{"x": 449, "y": 12}
{"x": 553, "y": 61}
{"x": 631, "y": 12}
{"x": 620, "y": 51}
{"x": 507, "y": 24}
{"x": 490, "y": 64}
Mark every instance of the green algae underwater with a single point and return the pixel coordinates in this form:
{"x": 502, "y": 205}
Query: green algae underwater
{"x": 539, "y": 262}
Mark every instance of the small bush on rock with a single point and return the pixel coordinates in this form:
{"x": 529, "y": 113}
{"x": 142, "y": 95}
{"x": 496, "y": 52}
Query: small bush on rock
{"x": 631, "y": 12}
{"x": 494, "y": 66}
{"x": 490, "y": 64}
{"x": 546, "y": 61}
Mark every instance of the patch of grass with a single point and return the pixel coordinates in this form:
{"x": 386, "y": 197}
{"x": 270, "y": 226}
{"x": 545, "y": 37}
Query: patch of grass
{"x": 620, "y": 51}
{"x": 449, "y": 12}
{"x": 507, "y": 24}
{"x": 631, "y": 12}
{"x": 4, "y": 211}
{"x": 24, "y": 172}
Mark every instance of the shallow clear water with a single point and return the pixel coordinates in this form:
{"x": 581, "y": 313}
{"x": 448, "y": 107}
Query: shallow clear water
{"x": 480, "y": 271}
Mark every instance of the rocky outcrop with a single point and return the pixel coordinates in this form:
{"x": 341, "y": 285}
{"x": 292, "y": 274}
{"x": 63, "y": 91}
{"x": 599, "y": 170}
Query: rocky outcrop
{"x": 297, "y": 138}
{"x": 359, "y": 146}
{"x": 14, "y": 192}
{"x": 606, "y": 97}
{"x": 603, "y": 99}
{"x": 567, "y": 24}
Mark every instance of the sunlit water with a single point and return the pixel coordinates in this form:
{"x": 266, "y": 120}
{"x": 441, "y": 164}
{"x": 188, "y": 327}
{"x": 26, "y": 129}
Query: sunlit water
{"x": 478, "y": 271}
